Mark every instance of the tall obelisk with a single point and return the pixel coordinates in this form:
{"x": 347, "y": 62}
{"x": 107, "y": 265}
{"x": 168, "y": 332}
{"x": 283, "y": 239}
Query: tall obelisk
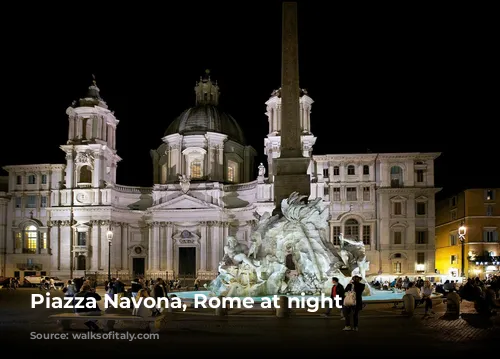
{"x": 291, "y": 167}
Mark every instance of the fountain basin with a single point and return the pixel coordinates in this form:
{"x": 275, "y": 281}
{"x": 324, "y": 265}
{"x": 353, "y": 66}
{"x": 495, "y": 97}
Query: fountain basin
{"x": 380, "y": 296}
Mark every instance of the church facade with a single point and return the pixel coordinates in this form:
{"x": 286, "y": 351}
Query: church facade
{"x": 72, "y": 219}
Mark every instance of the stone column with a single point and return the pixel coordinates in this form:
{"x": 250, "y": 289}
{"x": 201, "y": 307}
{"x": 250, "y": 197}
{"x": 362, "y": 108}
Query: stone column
{"x": 102, "y": 242}
{"x": 203, "y": 246}
{"x": 124, "y": 242}
{"x": 65, "y": 248}
{"x": 155, "y": 251}
{"x": 69, "y": 171}
{"x": 55, "y": 249}
{"x": 150, "y": 247}
{"x": 116, "y": 259}
{"x": 170, "y": 248}
{"x": 214, "y": 245}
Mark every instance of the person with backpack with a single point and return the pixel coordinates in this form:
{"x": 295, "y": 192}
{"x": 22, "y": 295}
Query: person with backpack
{"x": 353, "y": 302}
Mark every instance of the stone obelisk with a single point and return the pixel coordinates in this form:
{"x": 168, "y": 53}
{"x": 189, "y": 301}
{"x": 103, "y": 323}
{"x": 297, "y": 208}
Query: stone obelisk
{"x": 290, "y": 169}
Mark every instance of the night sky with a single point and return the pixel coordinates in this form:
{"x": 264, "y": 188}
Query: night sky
{"x": 383, "y": 79}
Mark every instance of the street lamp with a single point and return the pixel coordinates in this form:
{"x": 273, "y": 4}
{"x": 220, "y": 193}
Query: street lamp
{"x": 109, "y": 236}
{"x": 461, "y": 236}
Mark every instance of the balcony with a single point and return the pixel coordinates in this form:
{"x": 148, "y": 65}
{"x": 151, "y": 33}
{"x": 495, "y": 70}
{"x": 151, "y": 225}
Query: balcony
{"x": 29, "y": 266}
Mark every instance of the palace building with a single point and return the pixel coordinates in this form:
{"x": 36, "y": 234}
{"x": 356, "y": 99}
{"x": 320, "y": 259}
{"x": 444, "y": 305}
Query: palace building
{"x": 64, "y": 219}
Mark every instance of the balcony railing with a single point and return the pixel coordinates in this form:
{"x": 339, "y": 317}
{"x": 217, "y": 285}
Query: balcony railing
{"x": 29, "y": 266}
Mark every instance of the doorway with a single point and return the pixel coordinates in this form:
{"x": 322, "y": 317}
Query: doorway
{"x": 187, "y": 262}
{"x": 138, "y": 266}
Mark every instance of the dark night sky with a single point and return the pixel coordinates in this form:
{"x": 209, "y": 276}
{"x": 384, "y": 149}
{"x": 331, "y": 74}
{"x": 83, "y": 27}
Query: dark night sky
{"x": 387, "y": 79}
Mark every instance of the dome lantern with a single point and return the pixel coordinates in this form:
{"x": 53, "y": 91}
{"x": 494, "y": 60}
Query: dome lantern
{"x": 207, "y": 92}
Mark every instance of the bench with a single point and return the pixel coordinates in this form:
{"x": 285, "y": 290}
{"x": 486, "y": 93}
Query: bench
{"x": 109, "y": 320}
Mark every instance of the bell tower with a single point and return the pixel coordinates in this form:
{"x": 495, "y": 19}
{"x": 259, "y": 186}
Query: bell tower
{"x": 91, "y": 158}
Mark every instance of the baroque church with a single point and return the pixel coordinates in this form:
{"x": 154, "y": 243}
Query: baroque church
{"x": 72, "y": 219}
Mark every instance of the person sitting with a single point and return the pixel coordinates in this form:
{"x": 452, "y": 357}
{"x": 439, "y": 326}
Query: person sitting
{"x": 88, "y": 310}
{"x": 142, "y": 310}
{"x": 415, "y": 292}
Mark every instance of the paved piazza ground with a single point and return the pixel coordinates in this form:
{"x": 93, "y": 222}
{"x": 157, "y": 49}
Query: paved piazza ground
{"x": 383, "y": 331}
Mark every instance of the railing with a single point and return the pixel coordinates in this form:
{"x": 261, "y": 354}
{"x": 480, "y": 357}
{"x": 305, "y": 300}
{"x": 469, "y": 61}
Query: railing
{"x": 29, "y": 250}
{"x": 29, "y": 266}
{"x": 130, "y": 189}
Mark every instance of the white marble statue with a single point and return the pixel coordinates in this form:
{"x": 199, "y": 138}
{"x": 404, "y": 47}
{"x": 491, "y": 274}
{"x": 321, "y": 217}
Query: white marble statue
{"x": 290, "y": 254}
{"x": 262, "y": 170}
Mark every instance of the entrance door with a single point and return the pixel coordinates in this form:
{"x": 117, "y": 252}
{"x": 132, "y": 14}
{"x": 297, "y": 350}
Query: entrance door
{"x": 187, "y": 262}
{"x": 138, "y": 266}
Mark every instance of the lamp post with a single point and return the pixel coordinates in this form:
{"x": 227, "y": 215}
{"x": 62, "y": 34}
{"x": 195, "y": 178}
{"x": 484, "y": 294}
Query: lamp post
{"x": 461, "y": 236}
{"x": 109, "y": 236}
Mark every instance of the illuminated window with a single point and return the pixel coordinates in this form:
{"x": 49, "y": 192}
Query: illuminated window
{"x": 19, "y": 240}
{"x": 232, "y": 171}
{"x": 196, "y": 169}
{"x": 30, "y": 239}
{"x": 43, "y": 244}
{"x": 397, "y": 267}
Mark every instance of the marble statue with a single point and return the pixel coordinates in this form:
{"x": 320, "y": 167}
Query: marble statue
{"x": 288, "y": 254}
{"x": 262, "y": 170}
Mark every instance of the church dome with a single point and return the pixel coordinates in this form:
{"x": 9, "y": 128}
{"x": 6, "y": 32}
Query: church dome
{"x": 206, "y": 115}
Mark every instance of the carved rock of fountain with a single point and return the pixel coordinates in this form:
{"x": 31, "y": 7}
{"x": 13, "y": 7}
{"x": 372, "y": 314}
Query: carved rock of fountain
{"x": 289, "y": 255}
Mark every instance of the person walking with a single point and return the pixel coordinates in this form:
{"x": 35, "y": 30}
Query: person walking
{"x": 337, "y": 290}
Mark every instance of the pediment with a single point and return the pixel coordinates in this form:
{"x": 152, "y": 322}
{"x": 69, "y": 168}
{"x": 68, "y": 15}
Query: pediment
{"x": 82, "y": 226}
{"x": 184, "y": 201}
{"x": 421, "y": 198}
{"x": 398, "y": 198}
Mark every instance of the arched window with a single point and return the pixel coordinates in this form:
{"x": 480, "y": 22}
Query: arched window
{"x": 195, "y": 169}
{"x": 81, "y": 262}
{"x": 396, "y": 177}
{"x": 351, "y": 171}
{"x": 351, "y": 228}
{"x": 85, "y": 174}
{"x": 30, "y": 239}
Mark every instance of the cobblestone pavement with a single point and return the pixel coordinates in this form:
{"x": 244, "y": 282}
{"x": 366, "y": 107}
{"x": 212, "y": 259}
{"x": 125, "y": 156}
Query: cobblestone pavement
{"x": 193, "y": 332}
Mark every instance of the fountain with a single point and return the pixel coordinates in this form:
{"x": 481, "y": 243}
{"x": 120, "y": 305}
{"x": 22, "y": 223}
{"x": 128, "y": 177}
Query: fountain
{"x": 291, "y": 255}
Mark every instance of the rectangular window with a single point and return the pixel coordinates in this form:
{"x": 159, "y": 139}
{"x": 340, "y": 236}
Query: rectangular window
{"x": 489, "y": 194}
{"x": 43, "y": 244}
{"x": 420, "y": 175}
{"x": 398, "y": 208}
{"x": 82, "y": 238}
{"x": 351, "y": 194}
{"x": 453, "y": 259}
{"x": 43, "y": 201}
{"x": 351, "y": 171}
{"x": 366, "y": 194}
{"x": 30, "y": 201}
{"x": 421, "y": 237}
{"x": 325, "y": 172}
{"x": 336, "y": 194}
{"x": 44, "y": 179}
{"x": 490, "y": 235}
{"x": 30, "y": 238}
{"x": 453, "y": 214}
{"x": 230, "y": 174}
{"x": 453, "y": 201}
{"x": 489, "y": 210}
{"x": 31, "y": 179}
{"x": 398, "y": 237}
{"x": 397, "y": 267}
{"x": 367, "y": 235}
{"x": 421, "y": 208}
{"x": 196, "y": 169}
{"x": 326, "y": 190}
{"x": 453, "y": 239}
{"x": 336, "y": 171}
{"x": 366, "y": 170}
{"x": 19, "y": 202}
{"x": 19, "y": 240}
{"x": 19, "y": 180}
{"x": 420, "y": 258}
{"x": 336, "y": 235}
